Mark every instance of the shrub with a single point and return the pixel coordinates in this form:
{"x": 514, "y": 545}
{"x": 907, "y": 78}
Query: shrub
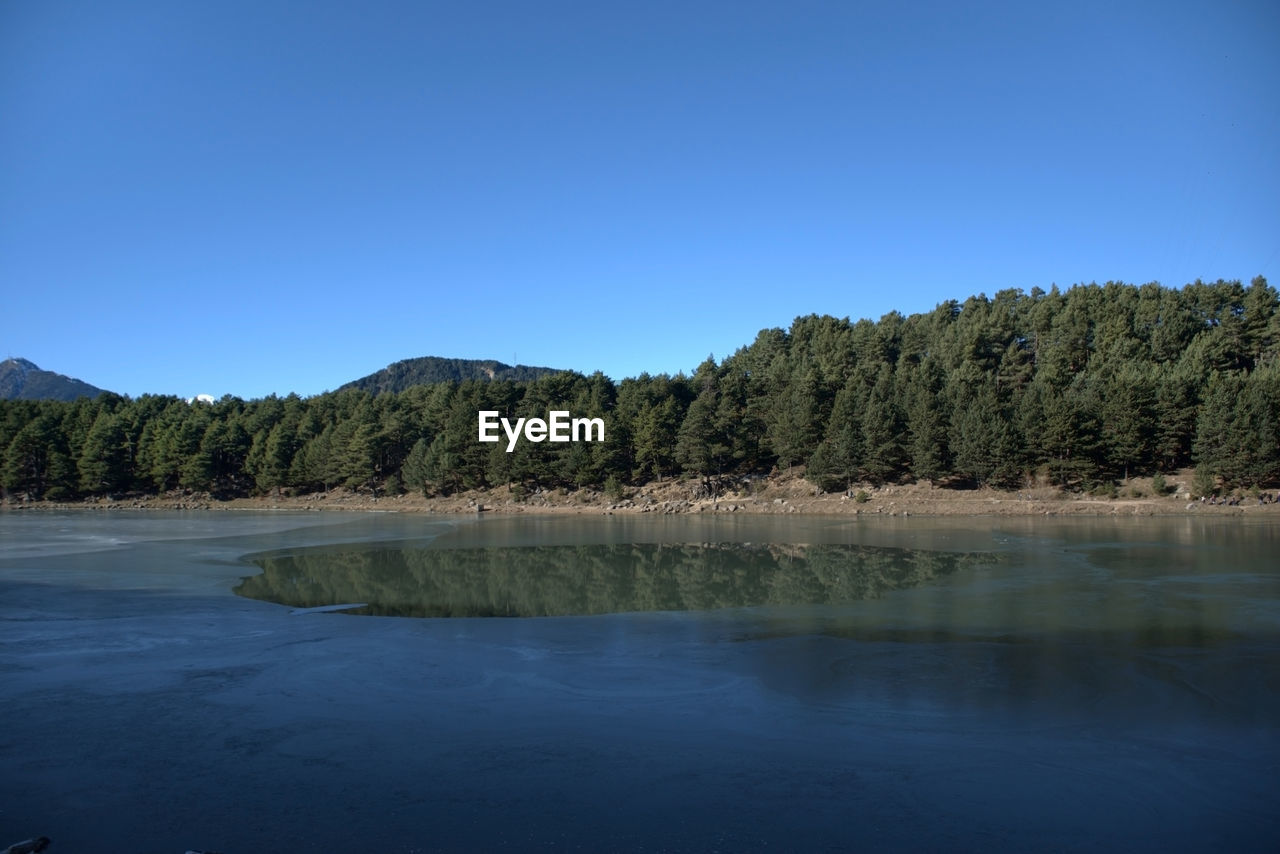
{"x": 613, "y": 488}
{"x": 1203, "y": 483}
{"x": 1158, "y": 485}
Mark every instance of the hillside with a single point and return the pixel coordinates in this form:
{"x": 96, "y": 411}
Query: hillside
{"x": 401, "y": 375}
{"x": 1083, "y": 390}
{"x": 23, "y": 380}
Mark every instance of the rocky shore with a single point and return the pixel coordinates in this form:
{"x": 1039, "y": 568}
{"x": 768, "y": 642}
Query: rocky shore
{"x": 778, "y": 494}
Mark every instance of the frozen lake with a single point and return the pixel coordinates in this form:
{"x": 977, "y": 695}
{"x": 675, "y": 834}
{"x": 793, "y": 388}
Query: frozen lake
{"x": 636, "y": 683}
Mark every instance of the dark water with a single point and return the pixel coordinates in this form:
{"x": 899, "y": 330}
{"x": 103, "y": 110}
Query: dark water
{"x": 626, "y": 684}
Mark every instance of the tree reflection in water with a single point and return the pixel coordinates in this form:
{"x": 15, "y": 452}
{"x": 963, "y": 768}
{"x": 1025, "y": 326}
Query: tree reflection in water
{"x": 540, "y": 581}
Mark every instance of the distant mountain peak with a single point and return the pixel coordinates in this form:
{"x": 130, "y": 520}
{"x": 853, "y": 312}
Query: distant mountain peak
{"x": 22, "y": 379}
{"x": 425, "y": 370}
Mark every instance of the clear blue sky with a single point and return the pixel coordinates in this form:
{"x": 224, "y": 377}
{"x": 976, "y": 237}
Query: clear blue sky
{"x": 257, "y": 197}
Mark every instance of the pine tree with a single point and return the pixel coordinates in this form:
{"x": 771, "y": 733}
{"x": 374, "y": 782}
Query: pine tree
{"x": 882, "y": 454}
{"x": 793, "y": 423}
{"x": 1127, "y": 419}
{"x": 26, "y": 460}
{"x": 1061, "y": 430}
{"x": 104, "y": 459}
{"x": 836, "y": 462}
{"x": 983, "y": 440}
{"x": 1174, "y": 415}
{"x": 926, "y": 421}
{"x": 1238, "y": 431}
{"x": 415, "y": 472}
{"x": 696, "y": 437}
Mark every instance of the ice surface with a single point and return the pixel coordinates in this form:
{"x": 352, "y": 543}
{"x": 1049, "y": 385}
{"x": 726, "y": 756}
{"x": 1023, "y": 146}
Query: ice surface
{"x": 146, "y": 708}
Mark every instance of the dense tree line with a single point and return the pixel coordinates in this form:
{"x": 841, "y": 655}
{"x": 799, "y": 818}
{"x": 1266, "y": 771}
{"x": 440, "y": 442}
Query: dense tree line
{"x": 1080, "y": 387}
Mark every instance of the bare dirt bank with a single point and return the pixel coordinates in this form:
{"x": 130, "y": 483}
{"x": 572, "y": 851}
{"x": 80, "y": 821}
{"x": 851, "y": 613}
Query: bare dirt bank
{"x": 778, "y": 494}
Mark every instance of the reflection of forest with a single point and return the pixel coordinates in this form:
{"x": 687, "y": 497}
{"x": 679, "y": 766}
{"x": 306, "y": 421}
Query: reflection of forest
{"x": 593, "y": 579}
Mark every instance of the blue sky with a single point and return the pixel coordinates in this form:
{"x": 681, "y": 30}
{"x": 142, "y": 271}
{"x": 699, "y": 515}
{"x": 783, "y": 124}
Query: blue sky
{"x": 258, "y": 197}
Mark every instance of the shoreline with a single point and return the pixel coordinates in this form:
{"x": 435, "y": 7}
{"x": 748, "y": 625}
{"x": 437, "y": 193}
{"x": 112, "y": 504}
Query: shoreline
{"x": 777, "y": 495}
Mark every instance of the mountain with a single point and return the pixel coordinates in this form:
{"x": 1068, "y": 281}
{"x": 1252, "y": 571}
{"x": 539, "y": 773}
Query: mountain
{"x": 23, "y": 380}
{"x": 401, "y": 375}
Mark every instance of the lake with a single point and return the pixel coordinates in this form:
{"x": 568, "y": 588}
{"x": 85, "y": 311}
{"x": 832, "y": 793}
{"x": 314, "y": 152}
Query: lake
{"x": 183, "y": 680}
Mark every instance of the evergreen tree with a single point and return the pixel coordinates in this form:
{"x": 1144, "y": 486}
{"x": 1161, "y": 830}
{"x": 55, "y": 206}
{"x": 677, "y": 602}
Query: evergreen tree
{"x": 836, "y": 462}
{"x": 1127, "y": 419}
{"x": 697, "y": 448}
{"x": 104, "y": 459}
{"x": 1238, "y": 432}
{"x": 1061, "y": 429}
{"x": 1174, "y": 415}
{"x": 26, "y": 460}
{"x": 882, "y": 456}
{"x": 415, "y": 473}
{"x": 926, "y": 421}
{"x": 983, "y": 440}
